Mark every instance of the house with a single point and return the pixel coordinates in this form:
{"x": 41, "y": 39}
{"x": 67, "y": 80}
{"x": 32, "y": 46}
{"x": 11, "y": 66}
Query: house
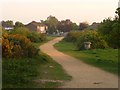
{"x": 6, "y": 26}
{"x": 36, "y": 26}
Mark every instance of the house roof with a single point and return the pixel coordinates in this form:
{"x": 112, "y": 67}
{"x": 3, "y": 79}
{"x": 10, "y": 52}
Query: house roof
{"x": 36, "y": 23}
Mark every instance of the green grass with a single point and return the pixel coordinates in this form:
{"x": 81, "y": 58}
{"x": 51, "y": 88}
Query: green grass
{"x": 24, "y": 72}
{"x": 106, "y": 59}
{"x": 18, "y": 73}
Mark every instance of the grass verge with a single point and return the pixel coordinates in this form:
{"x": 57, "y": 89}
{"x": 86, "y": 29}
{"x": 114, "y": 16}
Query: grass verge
{"x": 106, "y": 59}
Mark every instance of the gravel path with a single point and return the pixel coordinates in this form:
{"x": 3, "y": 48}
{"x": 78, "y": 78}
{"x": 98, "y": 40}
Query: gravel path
{"x": 83, "y": 75}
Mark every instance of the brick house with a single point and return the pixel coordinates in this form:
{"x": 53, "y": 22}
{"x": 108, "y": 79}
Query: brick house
{"x": 36, "y": 26}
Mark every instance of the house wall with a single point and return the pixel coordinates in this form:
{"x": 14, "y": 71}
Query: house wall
{"x": 41, "y": 29}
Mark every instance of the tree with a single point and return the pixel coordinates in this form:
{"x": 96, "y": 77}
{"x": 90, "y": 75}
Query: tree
{"x": 65, "y": 26}
{"x": 19, "y": 24}
{"x": 110, "y": 29}
{"x": 7, "y": 23}
{"x": 118, "y": 12}
{"x": 21, "y": 30}
{"x": 52, "y": 23}
{"x": 83, "y": 25}
{"x": 75, "y": 26}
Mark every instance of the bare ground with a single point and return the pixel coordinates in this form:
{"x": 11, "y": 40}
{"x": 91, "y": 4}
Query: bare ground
{"x": 83, "y": 75}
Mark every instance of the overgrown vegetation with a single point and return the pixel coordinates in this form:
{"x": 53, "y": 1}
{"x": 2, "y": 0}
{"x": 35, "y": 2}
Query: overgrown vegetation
{"x": 78, "y": 38}
{"x": 72, "y": 37}
{"x": 32, "y": 35}
{"x": 24, "y": 65}
{"x": 17, "y": 46}
{"x": 106, "y": 36}
{"x": 110, "y": 30}
{"x": 19, "y": 73}
{"x": 28, "y": 72}
{"x": 96, "y": 40}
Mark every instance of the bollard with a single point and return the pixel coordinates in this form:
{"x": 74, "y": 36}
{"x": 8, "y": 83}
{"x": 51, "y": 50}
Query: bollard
{"x": 87, "y": 45}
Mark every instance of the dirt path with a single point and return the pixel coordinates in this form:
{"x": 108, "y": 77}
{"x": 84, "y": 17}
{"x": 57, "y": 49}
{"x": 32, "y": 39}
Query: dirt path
{"x": 84, "y": 75}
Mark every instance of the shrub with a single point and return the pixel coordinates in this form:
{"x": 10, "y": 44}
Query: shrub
{"x": 21, "y": 30}
{"x": 110, "y": 29}
{"x": 32, "y": 35}
{"x": 72, "y": 36}
{"x": 93, "y": 37}
{"x": 14, "y": 46}
{"x": 36, "y": 37}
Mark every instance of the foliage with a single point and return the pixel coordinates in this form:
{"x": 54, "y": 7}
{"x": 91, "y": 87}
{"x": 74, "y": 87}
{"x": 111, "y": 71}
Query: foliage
{"x": 21, "y": 30}
{"x": 20, "y": 72}
{"x": 118, "y": 12}
{"x": 18, "y": 24}
{"x": 17, "y": 46}
{"x": 72, "y": 36}
{"x": 32, "y": 35}
{"x": 110, "y": 29}
{"x": 86, "y": 36}
{"x": 25, "y": 72}
{"x": 7, "y": 23}
{"x": 36, "y": 37}
{"x": 52, "y": 23}
{"x": 83, "y": 25}
{"x": 75, "y": 26}
{"x": 91, "y": 36}
{"x": 65, "y": 26}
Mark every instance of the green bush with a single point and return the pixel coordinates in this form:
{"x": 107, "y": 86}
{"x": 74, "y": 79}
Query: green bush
{"x": 21, "y": 30}
{"x": 91, "y": 36}
{"x": 110, "y": 30}
{"x": 32, "y": 35}
{"x": 36, "y": 37}
{"x": 72, "y": 36}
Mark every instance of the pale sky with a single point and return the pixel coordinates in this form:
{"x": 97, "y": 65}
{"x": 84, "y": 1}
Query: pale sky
{"x": 77, "y": 11}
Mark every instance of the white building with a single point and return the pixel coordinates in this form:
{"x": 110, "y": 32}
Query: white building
{"x": 119, "y": 4}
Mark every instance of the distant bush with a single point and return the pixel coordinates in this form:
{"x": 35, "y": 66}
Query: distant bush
{"x": 21, "y": 30}
{"x": 93, "y": 37}
{"x": 14, "y": 46}
{"x": 36, "y": 37}
{"x": 32, "y": 35}
{"x": 72, "y": 36}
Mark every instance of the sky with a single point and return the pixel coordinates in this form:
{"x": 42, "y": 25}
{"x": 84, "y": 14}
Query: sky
{"x": 77, "y": 11}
